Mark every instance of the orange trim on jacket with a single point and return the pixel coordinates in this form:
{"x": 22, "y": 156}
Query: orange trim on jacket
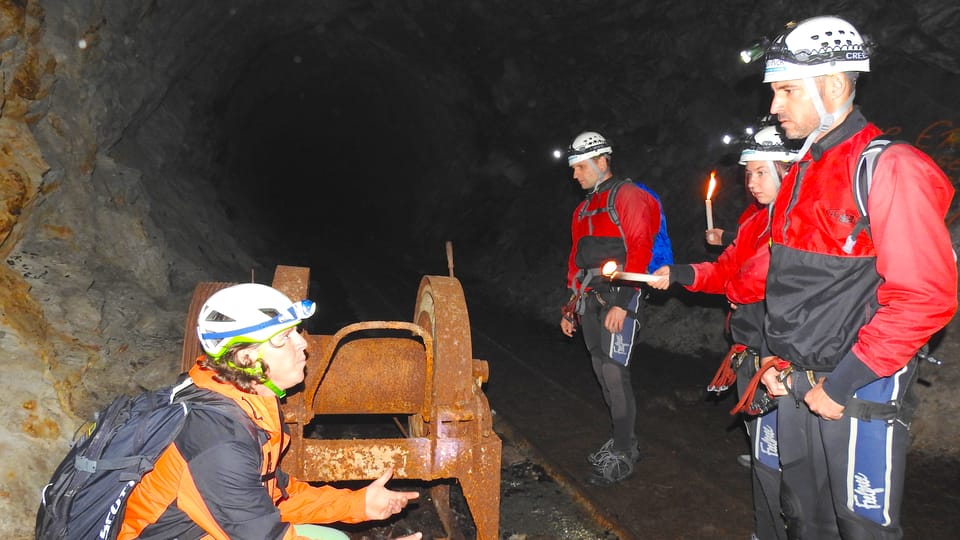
{"x": 216, "y": 479}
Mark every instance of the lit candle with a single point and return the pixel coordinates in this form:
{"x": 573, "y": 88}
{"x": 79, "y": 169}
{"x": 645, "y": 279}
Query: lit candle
{"x": 709, "y": 203}
{"x": 611, "y": 270}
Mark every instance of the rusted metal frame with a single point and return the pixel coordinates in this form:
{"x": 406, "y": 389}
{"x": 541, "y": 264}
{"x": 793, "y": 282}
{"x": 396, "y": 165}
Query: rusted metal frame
{"x": 452, "y": 436}
{"x": 334, "y": 344}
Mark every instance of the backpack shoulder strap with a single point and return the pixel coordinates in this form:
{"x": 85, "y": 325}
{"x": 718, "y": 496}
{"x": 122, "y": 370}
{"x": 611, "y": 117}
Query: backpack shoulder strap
{"x": 615, "y": 186}
{"x": 863, "y": 177}
{"x": 862, "y": 182}
{"x": 611, "y": 199}
{"x": 193, "y": 397}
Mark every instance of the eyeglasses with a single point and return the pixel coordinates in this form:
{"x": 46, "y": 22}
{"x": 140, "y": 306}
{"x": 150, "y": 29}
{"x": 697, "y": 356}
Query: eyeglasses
{"x": 280, "y": 340}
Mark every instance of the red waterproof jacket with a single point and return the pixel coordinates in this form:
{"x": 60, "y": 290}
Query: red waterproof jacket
{"x": 729, "y": 235}
{"x": 750, "y": 210}
{"x": 596, "y": 238}
{"x": 740, "y": 272}
{"x": 216, "y": 481}
{"x": 860, "y": 315}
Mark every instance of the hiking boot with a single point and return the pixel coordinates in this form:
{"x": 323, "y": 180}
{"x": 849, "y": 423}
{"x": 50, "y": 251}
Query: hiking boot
{"x": 597, "y": 455}
{"x": 744, "y": 460}
{"x": 612, "y": 467}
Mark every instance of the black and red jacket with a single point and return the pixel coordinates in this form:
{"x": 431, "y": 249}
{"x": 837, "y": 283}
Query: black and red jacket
{"x": 739, "y": 273}
{"x": 596, "y": 238}
{"x": 860, "y": 315}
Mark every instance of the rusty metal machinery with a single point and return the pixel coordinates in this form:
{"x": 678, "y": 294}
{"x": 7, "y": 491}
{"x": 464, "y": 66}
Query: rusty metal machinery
{"x": 423, "y": 370}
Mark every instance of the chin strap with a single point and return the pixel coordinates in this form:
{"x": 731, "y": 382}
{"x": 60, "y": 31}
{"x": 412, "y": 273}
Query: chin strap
{"x": 274, "y": 388}
{"x": 774, "y": 172}
{"x": 599, "y": 173}
{"x": 256, "y": 371}
{"x": 827, "y": 120}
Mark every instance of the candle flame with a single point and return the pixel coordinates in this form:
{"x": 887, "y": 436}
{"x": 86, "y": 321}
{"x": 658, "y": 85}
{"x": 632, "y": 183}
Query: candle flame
{"x": 608, "y": 268}
{"x": 713, "y": 184}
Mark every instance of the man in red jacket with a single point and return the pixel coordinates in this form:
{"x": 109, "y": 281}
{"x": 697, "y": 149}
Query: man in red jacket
{"x": 607, "y": 313}
{"x": 848, "y": 307}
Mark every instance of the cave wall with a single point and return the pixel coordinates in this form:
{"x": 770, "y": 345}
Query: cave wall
{"x": 192, "y": 141}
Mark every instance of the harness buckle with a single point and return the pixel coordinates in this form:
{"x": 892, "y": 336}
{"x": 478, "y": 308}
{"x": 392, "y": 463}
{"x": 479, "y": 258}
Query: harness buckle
{"x": 784, "y": 373}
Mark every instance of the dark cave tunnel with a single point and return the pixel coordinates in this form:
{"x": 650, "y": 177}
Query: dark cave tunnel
{"x": 343, "y": 130}
{"x": 388, "y": 132}
{"x": 327, "y": 151}
{"x": 382, "y": 131}
{"x": 336, "y": 139}
{"x": 423, "y": 127}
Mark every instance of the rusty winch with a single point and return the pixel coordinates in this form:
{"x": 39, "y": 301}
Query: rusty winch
{"x": 422, "y": 370}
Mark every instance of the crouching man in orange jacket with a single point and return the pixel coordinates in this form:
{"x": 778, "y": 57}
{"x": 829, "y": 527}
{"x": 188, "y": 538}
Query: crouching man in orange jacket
{"x": 221, "y": 477}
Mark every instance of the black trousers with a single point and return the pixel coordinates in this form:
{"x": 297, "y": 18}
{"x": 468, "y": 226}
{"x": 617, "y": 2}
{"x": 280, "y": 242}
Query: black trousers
{"x": 843, "y": 478}
{"x": 610, "y": 356}
{"x": 765, "y": 462}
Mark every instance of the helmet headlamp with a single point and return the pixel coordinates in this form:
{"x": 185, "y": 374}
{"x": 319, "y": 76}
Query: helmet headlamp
{"x": 755, "y": 50}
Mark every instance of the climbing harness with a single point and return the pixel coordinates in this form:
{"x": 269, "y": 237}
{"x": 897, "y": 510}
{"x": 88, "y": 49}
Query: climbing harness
{"x": 726, "y": 374}
{"x": 746, "y": 403}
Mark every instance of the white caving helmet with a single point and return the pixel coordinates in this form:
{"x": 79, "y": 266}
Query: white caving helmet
{"x": 587, "y": 145}
{"x": 817, "y": 46}
{"x": 766, "y": 145}
{"x": 247, "y": 313}
{"x": 814, "y": 47}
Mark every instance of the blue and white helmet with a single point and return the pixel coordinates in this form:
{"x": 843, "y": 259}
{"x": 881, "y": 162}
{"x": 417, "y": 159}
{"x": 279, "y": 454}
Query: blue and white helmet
{"x": 814, "y": 47}
{"x": 587, "y": 145}
{"x": 247, "y": 313}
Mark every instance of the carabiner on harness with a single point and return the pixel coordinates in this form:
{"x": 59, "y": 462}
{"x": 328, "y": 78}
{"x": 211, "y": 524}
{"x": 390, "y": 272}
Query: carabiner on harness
{"x": 746, "y": 403}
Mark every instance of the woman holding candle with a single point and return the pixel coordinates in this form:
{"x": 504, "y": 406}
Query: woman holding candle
{"x": 724, "y": 237}
{"x": 222, "y": 475}
{"x": 716, "y": 236}
{"x": 740, "y": 273}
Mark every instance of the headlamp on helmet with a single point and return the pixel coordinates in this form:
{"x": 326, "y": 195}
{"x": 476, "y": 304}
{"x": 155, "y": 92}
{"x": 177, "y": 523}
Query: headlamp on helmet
{"x": 755, "y": 50}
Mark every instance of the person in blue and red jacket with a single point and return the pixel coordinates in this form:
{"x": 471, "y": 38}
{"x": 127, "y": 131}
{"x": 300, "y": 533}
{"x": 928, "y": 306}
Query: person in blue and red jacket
{"x": 848, "y": 308}
{"x": 740, "y": 273}
{"x": 608, "y": 312}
